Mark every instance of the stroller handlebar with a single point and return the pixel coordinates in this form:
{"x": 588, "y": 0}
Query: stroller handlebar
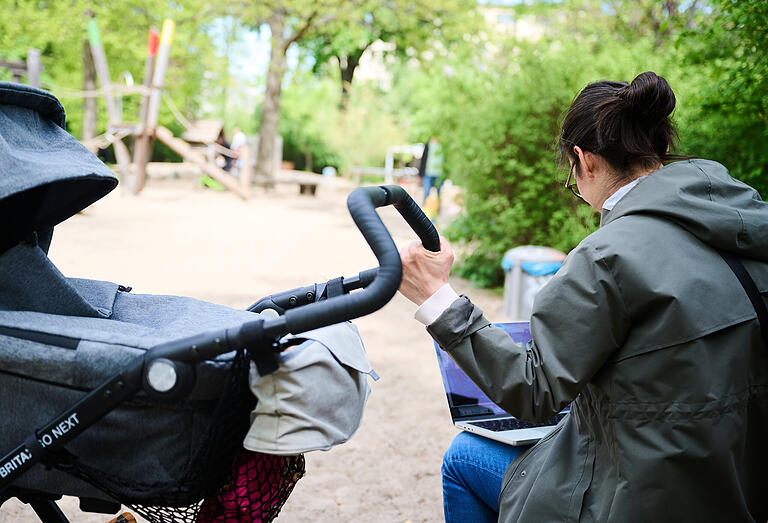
{"x": 177, "y": 357}
{"x": 362, "y": 204}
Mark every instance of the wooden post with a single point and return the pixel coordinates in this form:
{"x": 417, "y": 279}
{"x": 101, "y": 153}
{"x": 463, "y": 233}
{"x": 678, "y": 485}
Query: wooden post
{"x": 186, "y": 151}
{"x": 90, "y": 104}
{"x": 102, "y": 73}
{"x": 102, "y": 69}
{"x": 33, "y": 67}
{"x": 144, "y": 140}
{"x": 161, "y": 65}
{"x": 245, "y": 171}
{"x": 389, "y": 165}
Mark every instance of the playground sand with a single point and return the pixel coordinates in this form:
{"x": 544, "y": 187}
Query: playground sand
{"x": 178, "y": 239}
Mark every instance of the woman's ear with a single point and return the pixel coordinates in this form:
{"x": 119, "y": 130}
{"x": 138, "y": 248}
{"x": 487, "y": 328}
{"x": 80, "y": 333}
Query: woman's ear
{"x": 581, "y": 156}
{"x": 587, "y": 160}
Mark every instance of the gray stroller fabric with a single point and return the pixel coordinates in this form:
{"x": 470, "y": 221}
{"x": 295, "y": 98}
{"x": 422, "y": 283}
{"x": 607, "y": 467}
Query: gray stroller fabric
{"x": 61, "y": 337}
{"x": 316, "y": 397}
{"x": 52, "y": 354}
{"x": 46, "y": 175}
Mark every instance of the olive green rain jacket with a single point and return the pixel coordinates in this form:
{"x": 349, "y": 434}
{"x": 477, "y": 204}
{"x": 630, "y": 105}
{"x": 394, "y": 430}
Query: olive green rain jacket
{"x": 650, "y": 335}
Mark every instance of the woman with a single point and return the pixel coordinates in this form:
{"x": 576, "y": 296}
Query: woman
{"x": 645, "y": 329}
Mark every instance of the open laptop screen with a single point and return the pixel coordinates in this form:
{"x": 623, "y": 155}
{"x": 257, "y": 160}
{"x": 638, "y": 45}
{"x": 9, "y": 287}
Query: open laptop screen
{"x": 465, "y": 399}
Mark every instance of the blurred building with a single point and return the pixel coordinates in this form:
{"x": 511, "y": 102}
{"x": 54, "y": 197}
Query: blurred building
{"x": 373, "y": 65}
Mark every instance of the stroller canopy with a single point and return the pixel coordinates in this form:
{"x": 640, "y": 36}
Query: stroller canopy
{"x": 46, "y": 175}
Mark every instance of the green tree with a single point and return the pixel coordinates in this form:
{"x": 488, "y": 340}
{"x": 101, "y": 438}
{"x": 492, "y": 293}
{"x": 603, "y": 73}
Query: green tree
{"x": 308, "y": 115}
{"x": 411, "y": 26}
{"x": 289, "y": 23}
{"x": 727, "y": 118}
{"x": 58, "y": 29}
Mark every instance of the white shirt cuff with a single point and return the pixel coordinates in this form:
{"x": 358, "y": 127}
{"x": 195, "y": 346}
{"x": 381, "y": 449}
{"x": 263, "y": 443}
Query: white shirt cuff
{"x": 434, "y": 306}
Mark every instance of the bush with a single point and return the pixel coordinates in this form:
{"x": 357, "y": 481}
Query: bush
{"x": 728, "y": 106}
{"x": 499, "y": 119}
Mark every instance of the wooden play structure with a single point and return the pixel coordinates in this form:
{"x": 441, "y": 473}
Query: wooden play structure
{"x": 199, "y": 144}
{"x": 29, "y": 68}
{"x": 133, "y": 167}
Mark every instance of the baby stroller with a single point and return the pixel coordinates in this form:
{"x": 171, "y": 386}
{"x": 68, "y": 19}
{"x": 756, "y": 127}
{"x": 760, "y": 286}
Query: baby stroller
{"x": 119, "y": 398}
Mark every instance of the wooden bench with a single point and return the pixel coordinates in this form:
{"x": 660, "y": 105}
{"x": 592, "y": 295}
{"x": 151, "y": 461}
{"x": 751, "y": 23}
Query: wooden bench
{"x": 306, "y": 181}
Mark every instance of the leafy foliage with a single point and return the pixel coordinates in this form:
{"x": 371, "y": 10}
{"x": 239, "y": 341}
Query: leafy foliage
{"x": 306, "y": 119}
{"x": 498, "y": 112}
{"x": 409, "y": 27}
{"x": 727, "y": 120}
{"x": 498, "y": 127}
{"x": 58, "y": 29}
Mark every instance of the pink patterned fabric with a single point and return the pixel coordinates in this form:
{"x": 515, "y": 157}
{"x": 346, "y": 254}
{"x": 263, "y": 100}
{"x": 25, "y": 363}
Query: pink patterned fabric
{"x": 252, "y": 494}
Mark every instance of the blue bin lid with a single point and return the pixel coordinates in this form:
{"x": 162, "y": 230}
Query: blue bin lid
{"x": 540, "y": 268}
{"x": 532, "y": 268}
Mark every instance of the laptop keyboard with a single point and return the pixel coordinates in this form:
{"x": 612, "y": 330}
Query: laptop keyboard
{"x": 499, "y": 425}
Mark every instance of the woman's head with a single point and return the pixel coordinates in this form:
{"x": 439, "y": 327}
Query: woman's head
{"x": 627, "y": 125}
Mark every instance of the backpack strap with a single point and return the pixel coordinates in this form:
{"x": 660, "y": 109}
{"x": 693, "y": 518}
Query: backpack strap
{"x": 751, "y": 288}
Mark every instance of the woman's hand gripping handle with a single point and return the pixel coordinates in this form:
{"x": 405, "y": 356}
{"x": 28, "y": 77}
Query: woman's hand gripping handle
{"x": 424, "y": 272}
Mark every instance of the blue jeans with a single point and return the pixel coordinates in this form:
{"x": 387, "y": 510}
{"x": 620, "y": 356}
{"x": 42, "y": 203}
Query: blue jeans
{"x": 473, "y": 467}
{"x": 427, "y": 182}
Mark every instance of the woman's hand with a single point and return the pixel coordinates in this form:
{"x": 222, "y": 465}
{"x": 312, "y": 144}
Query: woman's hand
{"x": 424, "y": 272}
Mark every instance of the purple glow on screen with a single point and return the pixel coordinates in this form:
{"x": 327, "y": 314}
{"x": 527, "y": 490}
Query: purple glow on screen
{"x": 462, "y": 390}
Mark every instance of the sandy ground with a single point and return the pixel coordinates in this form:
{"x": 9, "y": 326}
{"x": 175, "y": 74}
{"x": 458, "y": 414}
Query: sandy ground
{"x": 178, "y": 239}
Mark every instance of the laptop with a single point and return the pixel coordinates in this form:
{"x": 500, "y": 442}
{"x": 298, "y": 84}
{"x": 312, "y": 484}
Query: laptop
{"x": 473, "y": 411}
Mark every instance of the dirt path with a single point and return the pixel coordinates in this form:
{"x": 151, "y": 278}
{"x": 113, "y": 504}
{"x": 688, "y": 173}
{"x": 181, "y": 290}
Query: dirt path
{"x": 176, "y": 239}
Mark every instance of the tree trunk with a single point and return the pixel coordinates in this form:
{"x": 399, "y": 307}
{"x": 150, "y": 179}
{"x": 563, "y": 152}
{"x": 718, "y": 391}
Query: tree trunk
{"x": 270, "y": 115}
{"x": 90, "y": 104}
{"x": 347, "y": 66}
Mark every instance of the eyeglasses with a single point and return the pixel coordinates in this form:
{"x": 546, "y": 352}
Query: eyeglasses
{"x": 571, "y": 186}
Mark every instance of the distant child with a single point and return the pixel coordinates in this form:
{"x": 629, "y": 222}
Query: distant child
{"x": 431, "y": 168}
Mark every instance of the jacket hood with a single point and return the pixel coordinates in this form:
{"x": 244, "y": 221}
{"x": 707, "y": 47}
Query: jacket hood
{"x": 46, "y": 175}
{"x": 700, "y": 196}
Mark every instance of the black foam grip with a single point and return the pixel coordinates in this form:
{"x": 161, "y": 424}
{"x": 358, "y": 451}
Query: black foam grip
{"x": 367, "y": 276}
{"x": 415, "y": 217}
{"x": 362, "y": 205}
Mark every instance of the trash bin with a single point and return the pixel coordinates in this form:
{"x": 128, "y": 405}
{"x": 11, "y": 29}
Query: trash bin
{"x": 527, "y": 269}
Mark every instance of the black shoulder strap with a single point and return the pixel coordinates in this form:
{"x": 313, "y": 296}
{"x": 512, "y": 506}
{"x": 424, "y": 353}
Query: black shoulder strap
{"x": 752, "y": 291}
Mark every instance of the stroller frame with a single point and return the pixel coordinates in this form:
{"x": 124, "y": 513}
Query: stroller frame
{"x": 300, "y": 310}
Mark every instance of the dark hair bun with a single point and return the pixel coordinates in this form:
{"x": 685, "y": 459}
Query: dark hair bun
{"x": 650, "y": 97}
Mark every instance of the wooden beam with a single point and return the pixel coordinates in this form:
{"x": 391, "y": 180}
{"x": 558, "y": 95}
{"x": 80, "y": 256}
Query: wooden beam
{"x": 122, "y": 154}
{"x": 90, "y": 105}
{"x": 142, "y": 149}
{"x": 33, "y": 67}
{"x": 186, "y": 151}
